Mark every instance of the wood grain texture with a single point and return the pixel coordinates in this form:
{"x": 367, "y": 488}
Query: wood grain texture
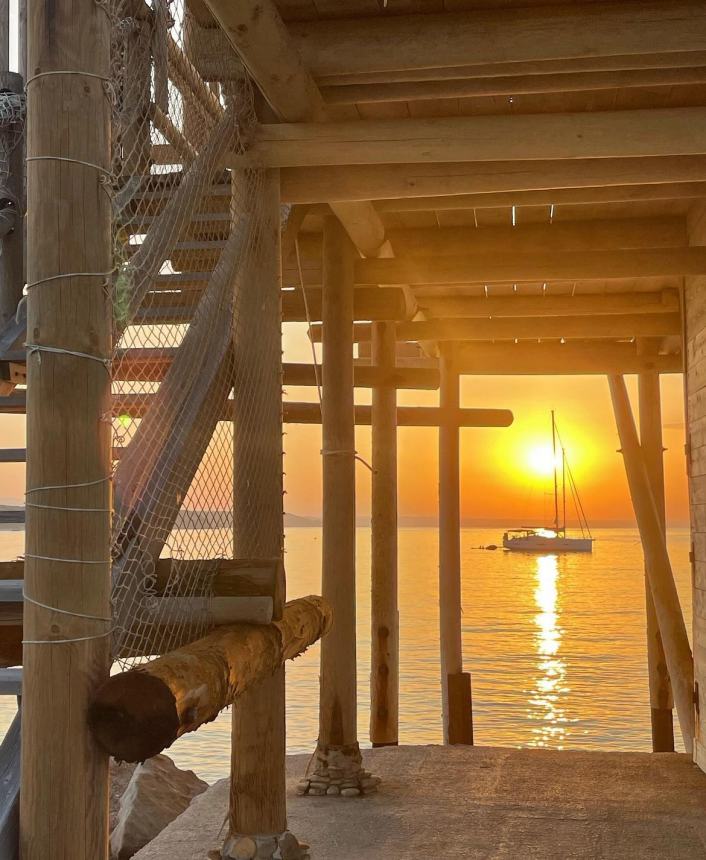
{"x": 68, "y": 440}
{"x": 137, "y": 714}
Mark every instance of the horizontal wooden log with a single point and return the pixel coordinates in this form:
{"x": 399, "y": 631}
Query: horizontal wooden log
{"x": 370, "y": 376}
{"x": 407, "y": 416}
{"x": 551, "y": 197}
{"x": 482, "y": 359}
{"x": 392, "y": 181}
{"x": 223, "y": 577}
{"x": 521, "y": 137}
{"x": 509, "y": 85}
{"x": 498, "y": 35}
{"x": 137, "y": 714}
{"x": 550, "y": 305}
{"x": 559, "y": 266}
{"x": 612, "y": 326}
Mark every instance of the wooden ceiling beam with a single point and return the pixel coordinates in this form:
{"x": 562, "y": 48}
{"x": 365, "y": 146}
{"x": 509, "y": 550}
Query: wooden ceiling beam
{"x": 551, "y": 266}
{"x": 588, "y": 235}
{"x": 519, "y": 137}
{"x": 603, "y": 327}
{"x": 566, "y": 359}
{"x": 394, "y": 181}
{"x": 548, "y": 197}
{"x": 498, "y": 35}
{"x": 510, "y": 85}
{"x": 448, "y": 307}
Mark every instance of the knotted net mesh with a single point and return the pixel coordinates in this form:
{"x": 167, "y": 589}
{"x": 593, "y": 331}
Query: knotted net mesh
{"x": 187, "y": 237}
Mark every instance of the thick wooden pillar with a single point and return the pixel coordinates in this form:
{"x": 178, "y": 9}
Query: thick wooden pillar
{"x": 659, "y": 571}
{"x": 455, "y": 684}
{"x": 257, "y": 795}
{"x": 385, "y": 668}
{"x": 64, "y": 796}
{"x": 338, "y": 705}
{"x": 661, "y": 700}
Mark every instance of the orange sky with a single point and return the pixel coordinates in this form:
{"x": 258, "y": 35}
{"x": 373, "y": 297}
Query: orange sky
{"x": 498, "y": 481}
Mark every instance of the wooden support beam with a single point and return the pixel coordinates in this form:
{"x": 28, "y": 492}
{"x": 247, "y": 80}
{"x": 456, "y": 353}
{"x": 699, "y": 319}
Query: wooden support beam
{"x": 661, "y": 698}
{"x": 370, "y": 376}
{"x": 414, "y": 180}
{"x": 450, "y": 608}
{"x": 469, "y": 307}
{"x": 528, "y": 328}
{"x": 510, "y": 85}
{"x": 338, "y": 700}
{"x": 589, "y": 235}
{"x": 551, "y": 196}
{"x": 529, "y": 35}
{"x": 580, "y": 358}
{"x": 554, "y": 266}
{"x": 137, "y": 714}
{"x": 64, "y": 795}
{"x": 258, "y": 748}
{"x": 369, "y": 303}
{"x": 385, "y": 644}
{"x": 664, "y": 592}
{"x": 521, "y": 137}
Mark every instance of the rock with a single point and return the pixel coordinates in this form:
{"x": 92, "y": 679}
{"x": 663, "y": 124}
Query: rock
{"x": 289, "y": 847}
{"x": 240, "y": 848}
{"x": 157, "y": 793}
{"x": 350, "y": 792}
{"x": 120, "y": 775}
{"x": 266, "y": 847}
{"x": 333, "y": 790}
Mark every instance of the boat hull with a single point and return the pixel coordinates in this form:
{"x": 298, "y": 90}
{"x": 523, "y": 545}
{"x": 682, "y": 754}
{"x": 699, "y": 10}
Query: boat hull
{"x": 540, "y": 543}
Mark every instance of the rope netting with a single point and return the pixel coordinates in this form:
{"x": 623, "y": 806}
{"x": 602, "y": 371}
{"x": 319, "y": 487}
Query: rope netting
{"x": 186, "y": 232}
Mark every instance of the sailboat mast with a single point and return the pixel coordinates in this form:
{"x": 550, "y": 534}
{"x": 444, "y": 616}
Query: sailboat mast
{"x": 563, "y": 487}
{"x": 556, "y": 489}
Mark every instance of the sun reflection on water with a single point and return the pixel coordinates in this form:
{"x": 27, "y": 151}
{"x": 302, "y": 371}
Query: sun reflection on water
{"x": 546, "y": 700}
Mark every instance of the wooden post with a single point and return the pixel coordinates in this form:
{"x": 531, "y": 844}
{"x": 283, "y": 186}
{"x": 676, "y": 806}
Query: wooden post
{"x": 385, "y": 657}
{"x": 659, "y": 571}
{"x": 455, "y": 684}
{"x": 64, "y": 798}
{"x": 338, "y": 753}
{"x": 661, "y": 700}
{"x": 257, "y": 794}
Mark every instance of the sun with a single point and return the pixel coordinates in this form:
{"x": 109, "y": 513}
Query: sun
{"x": 541, "y": 460}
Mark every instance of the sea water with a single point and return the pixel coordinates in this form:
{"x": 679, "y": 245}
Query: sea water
{"x": 555, "y": 644}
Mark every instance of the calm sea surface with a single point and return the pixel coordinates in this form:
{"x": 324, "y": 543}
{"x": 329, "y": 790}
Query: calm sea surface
{"x": 555, "y": 645}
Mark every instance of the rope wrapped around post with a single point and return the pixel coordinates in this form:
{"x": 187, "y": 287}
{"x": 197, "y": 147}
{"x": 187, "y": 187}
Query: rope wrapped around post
{"x": 137, "y": 714}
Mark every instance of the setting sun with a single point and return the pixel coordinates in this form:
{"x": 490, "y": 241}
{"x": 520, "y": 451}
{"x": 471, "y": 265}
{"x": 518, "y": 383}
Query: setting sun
{"x": 541, "y": 460}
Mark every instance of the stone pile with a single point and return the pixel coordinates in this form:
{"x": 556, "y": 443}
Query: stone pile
{"x": 283, "y": 847}
{"x": 338, "y": 772}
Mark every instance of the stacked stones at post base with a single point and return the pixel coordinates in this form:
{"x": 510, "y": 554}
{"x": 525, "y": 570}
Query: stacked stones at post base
{"x": 338, "y": 773}
{"x": 286, "y": 846}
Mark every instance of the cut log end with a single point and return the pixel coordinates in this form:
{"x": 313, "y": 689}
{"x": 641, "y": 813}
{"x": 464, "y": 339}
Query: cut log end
{"x": 134, "y": 716}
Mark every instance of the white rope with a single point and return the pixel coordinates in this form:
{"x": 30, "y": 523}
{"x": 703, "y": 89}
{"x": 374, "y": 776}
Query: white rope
{"x": 354, "y": 454}
{"x": 65, "y": 560}
{"x": 68, "y": 486}
{"x": 72, "y": 275}
{"x": 66, "y": 72}
{"x": 57, "y": 350}
{"x": 76, "y": 510}
{"x": 64, "y": 611}
{"x": 98, "y": 167}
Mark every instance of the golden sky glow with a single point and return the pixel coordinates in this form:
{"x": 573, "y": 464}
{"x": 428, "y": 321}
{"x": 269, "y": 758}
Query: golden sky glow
{"x": 505, "y": 473}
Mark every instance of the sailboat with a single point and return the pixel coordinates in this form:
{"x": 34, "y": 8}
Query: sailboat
{"x": 553, "y": 539}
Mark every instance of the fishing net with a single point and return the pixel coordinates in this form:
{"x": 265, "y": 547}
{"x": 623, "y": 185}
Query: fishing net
{"x": 12, "y": 127}
{"x": 186, "y": 232}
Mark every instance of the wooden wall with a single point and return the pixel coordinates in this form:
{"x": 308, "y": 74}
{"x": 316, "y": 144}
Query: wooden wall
{"x": 695, "y": 356}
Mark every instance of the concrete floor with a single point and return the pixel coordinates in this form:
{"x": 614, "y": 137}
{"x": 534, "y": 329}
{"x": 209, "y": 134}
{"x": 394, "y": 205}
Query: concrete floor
{"x": 484, "y": 802}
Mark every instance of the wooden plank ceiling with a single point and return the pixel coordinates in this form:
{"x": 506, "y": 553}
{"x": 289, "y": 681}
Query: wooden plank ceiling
{"x": 645, "y": 80}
